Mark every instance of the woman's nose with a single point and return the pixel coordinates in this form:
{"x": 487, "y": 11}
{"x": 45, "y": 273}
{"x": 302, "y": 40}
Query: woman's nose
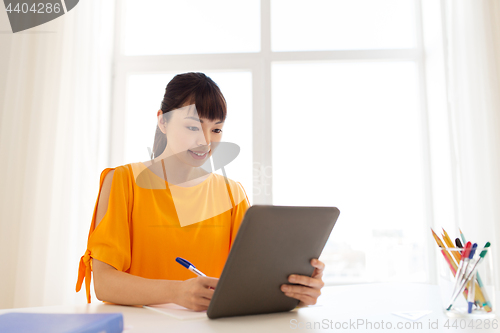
{"x": 204, "y": 139}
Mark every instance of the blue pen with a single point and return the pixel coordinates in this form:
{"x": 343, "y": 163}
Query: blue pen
{"x": 471, "y": 295}
{"x": 465, "y": 276}
{"x": 478, "y": 279}
{"x": 468, "y": 261}
{"x": 189, "y": 266}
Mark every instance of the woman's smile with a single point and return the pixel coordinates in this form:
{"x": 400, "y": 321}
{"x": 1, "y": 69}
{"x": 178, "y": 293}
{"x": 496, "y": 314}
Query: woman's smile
{"x": 198, "y": 156}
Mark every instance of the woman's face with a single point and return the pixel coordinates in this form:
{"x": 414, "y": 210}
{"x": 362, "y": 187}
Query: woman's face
{"x": 187, "y": 135}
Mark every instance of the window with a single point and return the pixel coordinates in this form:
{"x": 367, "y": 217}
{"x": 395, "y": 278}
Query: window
{"x": 189, "y": 27}
{"x": 298, "y": 25}
{"x": 325, "y": 100}
{"x": 352, "y": 140}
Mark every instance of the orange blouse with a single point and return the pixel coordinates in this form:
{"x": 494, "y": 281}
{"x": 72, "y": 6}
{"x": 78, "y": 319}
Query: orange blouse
{"x": 149, "y": 222}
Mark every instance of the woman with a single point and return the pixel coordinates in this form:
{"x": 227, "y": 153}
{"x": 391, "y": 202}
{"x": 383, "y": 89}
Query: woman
{"x": 147, "y": 214}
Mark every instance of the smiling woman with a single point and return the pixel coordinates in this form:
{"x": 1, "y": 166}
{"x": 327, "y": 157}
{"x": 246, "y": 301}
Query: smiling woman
{"x": 189, "y": 144}
{"x": 194, "y": 89}
{"x": 191, "y": 117}
{"x": 149, "y": 214}
{"x": 140, "y": 225}
{"x": 138, "y": 118}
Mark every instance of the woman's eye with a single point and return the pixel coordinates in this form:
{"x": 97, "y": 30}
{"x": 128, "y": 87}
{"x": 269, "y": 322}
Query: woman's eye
{"x": 192, "y": 128}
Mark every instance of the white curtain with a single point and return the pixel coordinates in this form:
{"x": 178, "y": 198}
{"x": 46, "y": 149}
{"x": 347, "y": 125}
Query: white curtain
{"x": 472, "y": 55}
{"x": 462, "y": 40}
{"x": 55, "y": 100}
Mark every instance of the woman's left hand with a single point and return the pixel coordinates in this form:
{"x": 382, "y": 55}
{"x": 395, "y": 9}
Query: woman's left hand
{"x": 310, "y": 288}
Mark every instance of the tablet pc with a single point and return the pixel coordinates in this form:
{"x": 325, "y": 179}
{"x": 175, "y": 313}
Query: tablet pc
{"x": 272, "y": 243}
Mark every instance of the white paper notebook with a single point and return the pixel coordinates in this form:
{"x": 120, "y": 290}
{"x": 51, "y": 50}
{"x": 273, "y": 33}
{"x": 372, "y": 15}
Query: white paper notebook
{"x": 177, "y": 311}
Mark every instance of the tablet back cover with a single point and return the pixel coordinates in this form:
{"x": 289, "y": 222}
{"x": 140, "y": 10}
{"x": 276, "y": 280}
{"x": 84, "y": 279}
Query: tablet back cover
{"x": 272, "y": 243}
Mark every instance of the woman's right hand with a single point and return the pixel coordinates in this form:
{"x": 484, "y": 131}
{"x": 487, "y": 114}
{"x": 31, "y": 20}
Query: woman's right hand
{"x": 196, "y": 293}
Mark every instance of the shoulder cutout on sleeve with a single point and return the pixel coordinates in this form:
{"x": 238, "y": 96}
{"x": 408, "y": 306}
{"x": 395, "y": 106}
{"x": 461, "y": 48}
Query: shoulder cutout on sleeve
{"x": 102, "y": 206}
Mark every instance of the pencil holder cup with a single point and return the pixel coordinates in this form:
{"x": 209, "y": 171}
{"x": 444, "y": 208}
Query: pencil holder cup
{"x": 483, "y": 304}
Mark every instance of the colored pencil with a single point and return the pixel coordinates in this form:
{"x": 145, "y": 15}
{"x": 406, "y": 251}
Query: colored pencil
{"x": 449, "y": 243}
{"x": 448, "y": 258}
{"x": 451, "y": 261}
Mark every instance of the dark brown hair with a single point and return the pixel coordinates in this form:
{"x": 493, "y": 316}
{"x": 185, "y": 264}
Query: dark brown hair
{"x": 190, "y": 87}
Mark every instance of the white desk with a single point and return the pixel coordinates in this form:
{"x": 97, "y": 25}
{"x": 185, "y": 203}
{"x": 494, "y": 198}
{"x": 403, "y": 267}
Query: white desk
{"x": 341, "y": 305}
